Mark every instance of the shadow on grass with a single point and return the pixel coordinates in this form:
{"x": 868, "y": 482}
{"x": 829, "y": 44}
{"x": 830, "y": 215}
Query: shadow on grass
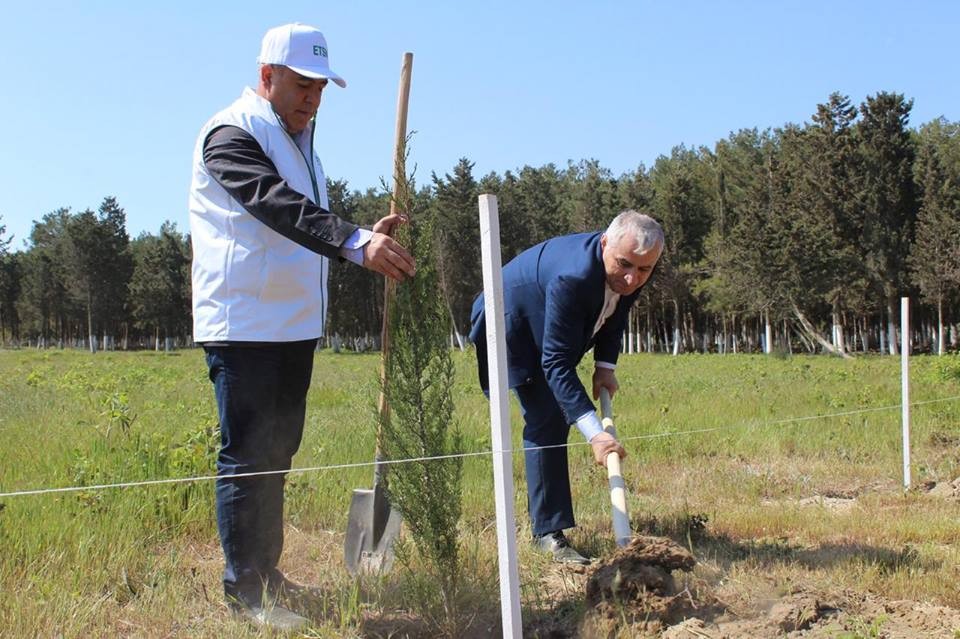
{"x": 560, "y": 620}
{"x": 475, "y": 624}
{"x": 692, "y": 531}
{"x": 348, "y": 610}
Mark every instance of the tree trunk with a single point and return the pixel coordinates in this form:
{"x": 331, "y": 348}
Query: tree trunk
{"x": 811, "y": 332}
{"x": 677, "y": 319}
{"x": 837, "y": 320}
{"x": 453, "y": 320}
{"x": 723, "y": 335}
{"x": 666, "y": 332}
{"x": 891, "y": 327}
{"x": 649, "y": 330}
{"x": 940, "y": 331}
{"x": 767, "y": 333}
{"x": 638, "y": 344}
{"x": 93, "y": 340}
{"x": 733, "y": 332}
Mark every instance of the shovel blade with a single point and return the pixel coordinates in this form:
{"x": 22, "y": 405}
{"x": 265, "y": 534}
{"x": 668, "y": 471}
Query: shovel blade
{"x": 372, "y": 528}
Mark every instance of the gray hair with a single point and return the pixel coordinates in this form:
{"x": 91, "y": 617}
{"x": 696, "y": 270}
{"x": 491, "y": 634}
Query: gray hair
{"x": 646, "y": 230}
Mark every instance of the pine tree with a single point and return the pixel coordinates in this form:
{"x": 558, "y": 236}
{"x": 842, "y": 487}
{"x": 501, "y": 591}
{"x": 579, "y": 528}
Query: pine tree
{"x": 4, "y": 242}
{"x": 828, "y": 190}
{"x": 514, "y": 223}
{"x": 114, "y": 267}
{"x": 44, "y": 304}
{"x": 454, "y": 211}
{"x": 592, "y": 199}
{"x": 356, "y": 294}
{"x": 159, "y": 290}
{"x": 9, "y": 285}
{"x": 935, "y": 254}
{"x": 540, "y": 195}
{"x": 887, "y": 196}
{"x": 730, "y": 285}
{"x": 680, "y": 204}
{"x": 635, "y": 191}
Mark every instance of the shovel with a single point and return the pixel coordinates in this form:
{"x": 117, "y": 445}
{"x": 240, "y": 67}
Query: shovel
{"x": 373, "y": 524}
{"x": 618, "y": 489}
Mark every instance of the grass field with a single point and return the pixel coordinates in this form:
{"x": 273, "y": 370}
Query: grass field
{"x": 769, "y": 501}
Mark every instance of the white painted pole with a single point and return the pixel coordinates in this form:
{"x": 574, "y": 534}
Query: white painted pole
{"x": 905, "y": 384}
{"x": 618, "y": 489}
{"x": 500, "y": 418}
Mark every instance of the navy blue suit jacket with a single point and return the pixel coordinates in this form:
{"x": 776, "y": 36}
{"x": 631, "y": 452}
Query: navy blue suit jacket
{"x": 553, "y": 294}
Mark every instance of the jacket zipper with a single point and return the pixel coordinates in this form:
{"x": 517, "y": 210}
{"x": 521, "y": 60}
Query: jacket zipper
{"x": 307, "y": 161}
{"x": 316, "y": 200}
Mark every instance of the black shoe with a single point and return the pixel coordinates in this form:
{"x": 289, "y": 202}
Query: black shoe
{"x": 556, "y": 544}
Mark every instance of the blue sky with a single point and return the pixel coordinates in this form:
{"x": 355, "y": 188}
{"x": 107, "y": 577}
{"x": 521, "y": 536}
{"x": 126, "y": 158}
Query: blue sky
{"x": 106, "y": 98}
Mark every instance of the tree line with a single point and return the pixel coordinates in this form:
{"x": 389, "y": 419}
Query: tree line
{"x": 797, "y": 238}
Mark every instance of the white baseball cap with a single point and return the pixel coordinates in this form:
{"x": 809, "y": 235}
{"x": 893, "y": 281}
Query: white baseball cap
{"x": 301, "y": 48}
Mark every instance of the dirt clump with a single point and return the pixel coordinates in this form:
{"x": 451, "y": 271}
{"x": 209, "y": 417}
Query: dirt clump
{"x": 835, "y": 504}
{"x": 636, "y": 584}
{"x": 817, "y": 615}
{"x": 798, "y": 613}
{"x": 945, "y": 489}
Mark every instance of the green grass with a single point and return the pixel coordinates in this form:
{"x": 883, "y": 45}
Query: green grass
{"x": 144, "y": 561}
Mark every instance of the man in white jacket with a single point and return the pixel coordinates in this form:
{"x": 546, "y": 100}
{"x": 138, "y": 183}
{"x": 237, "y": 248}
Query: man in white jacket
{"x": 262, "y": 236}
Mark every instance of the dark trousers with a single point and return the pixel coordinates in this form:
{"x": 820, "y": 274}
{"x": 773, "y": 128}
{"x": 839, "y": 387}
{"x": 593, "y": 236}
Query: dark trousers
{"x": 548, "y": 480}
{"x": 261, "y": 395}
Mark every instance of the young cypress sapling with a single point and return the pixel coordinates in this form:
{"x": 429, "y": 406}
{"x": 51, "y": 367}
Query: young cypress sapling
{"x": 420, "y": 422}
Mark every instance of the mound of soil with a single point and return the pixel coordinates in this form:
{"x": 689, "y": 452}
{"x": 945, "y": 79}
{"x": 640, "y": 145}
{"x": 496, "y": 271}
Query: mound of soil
{"x": 812, "y": 615}
{"x": 636, "y": 591}
{"x": 945, "y": 489}
{"x": 636, "y": 584}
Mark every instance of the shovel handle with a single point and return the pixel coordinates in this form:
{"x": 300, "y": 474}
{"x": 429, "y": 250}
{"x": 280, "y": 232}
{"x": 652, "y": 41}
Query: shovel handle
{"x": 399, "y": 173}
{"x": 618, "y": 489}
{"x": 606, "y": 412}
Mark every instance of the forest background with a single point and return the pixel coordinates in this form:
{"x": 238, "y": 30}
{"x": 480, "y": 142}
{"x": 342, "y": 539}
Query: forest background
{"x": 797, "y": 238}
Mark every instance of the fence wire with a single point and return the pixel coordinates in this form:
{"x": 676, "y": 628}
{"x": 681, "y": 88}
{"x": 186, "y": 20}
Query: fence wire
{"x": 482, "y": 453}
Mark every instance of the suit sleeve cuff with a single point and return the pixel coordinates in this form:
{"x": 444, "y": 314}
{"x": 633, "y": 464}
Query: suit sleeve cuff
{"x": 612, "y": 367}
{"x": 352, "y": 249}
{"x": 589, "y": 425}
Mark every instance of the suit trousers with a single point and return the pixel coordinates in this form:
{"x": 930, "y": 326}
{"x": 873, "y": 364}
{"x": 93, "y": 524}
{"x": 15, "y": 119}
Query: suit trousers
{"x": 548, "y": 479}
{"x": 261, "y": 393}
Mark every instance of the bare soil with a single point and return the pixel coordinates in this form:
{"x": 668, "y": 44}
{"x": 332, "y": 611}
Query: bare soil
{"x": 654, "y": 587}
{"x": 648, "y": 589}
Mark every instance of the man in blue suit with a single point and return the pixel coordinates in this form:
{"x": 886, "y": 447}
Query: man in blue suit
{"x": 561, "y": 298}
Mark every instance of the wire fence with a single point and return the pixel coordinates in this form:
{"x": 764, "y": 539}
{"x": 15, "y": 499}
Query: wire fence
{"x": 481, "y": 453}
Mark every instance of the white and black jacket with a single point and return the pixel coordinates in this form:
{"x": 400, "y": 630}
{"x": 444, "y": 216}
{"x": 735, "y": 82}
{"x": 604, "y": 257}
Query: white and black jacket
{"x": 260, "y": 229}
